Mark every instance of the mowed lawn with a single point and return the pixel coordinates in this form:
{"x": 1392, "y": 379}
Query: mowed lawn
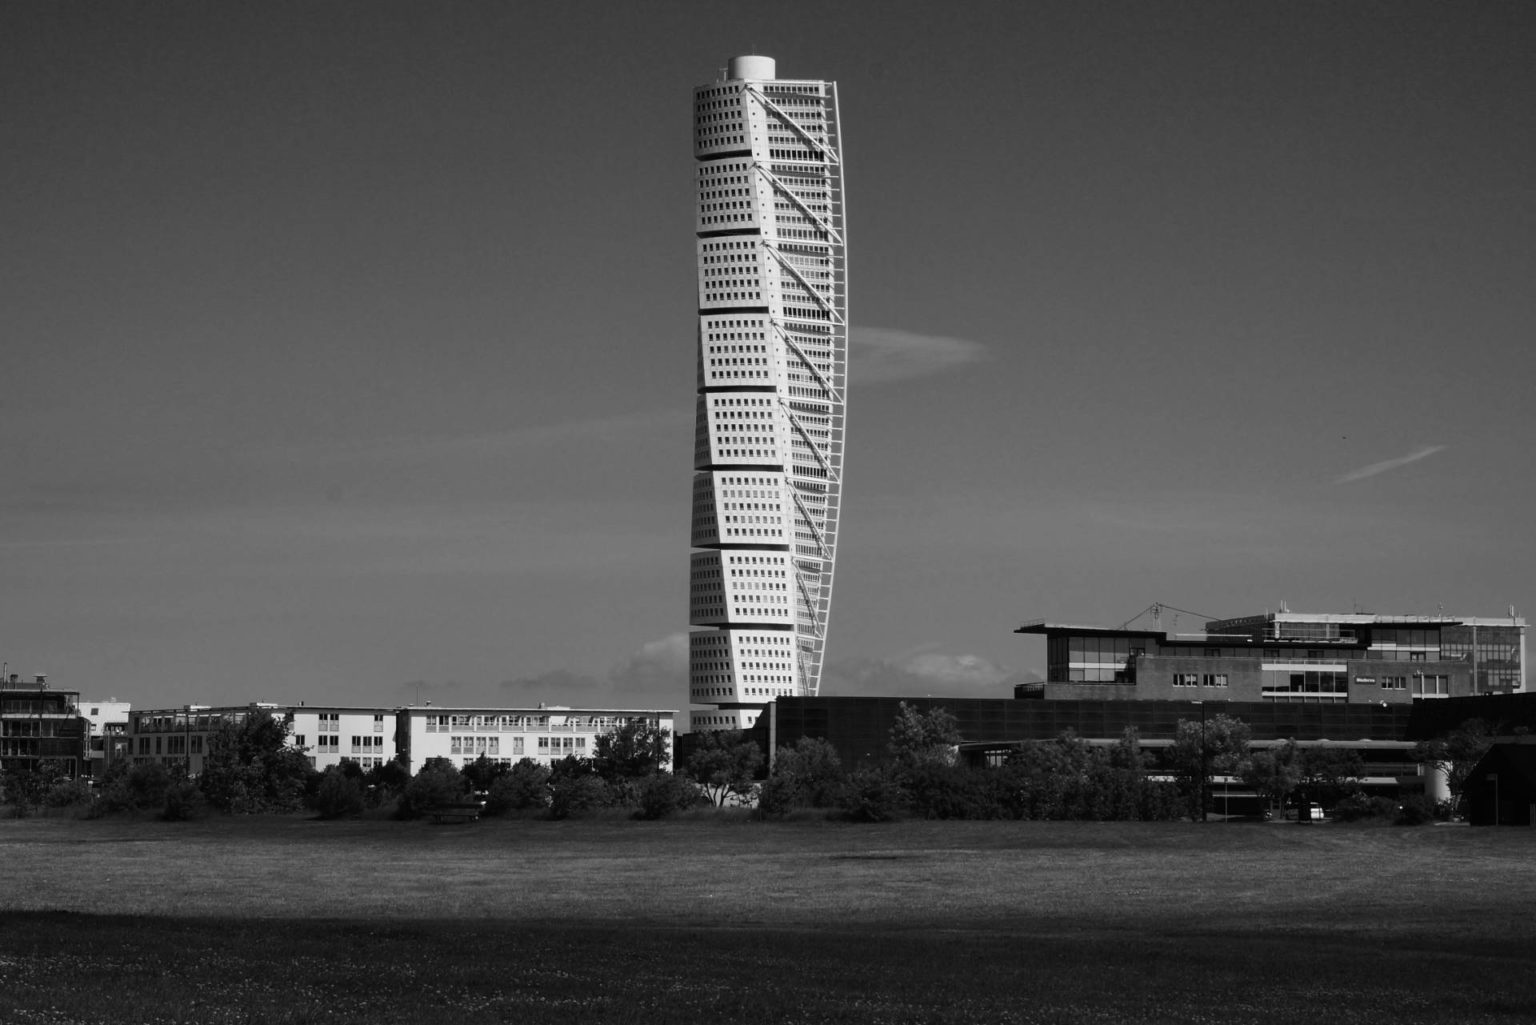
{"x": 718, "y": 919}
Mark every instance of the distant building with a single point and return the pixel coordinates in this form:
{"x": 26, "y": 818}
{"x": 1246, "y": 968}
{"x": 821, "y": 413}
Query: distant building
{"x": 333, "y": 734}
{"x": 1501, "y": 788}
{"x": 1382, "y": 734}
{"x": 327, "y": 734}
{"x": 106, "y": 734}
{"x": 371, "y": 737}
{"x": 178, "y": 737}
{"x": 40, "y": 727}
{"x": 1286, "y": 657}
{"x": 506, "y": 735}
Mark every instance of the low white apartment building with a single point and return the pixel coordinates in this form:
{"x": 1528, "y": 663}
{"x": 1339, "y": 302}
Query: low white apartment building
{"x": 545, "y": 734}
{"x": 371, "y": 737}
{"x": 333, "y": 734}
{"x": 327, "y": 734}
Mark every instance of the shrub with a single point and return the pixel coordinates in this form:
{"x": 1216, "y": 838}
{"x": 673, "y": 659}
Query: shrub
{"x": 339, "y": 794}
{"x": 815, "y": 770}
{"x": 572, "y": 794}
{"x": 438, "y": 783}
{"x": 663, "y": 793}
{"x": 937, "y": 791}
{"x": 871, "y": 796}
{"x": 777, "y": 796}
{"x": 68, "y": 794}
{"x": 1358, "y": 807}
{"x": 134, "y": 788}
{"x": 183, "y": 802}
{"x": 525, "y": 785}
{"x": 1416, "y": 810}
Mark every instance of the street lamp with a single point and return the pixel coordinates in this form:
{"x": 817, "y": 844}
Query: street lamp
{"x": 1203, "y": 817}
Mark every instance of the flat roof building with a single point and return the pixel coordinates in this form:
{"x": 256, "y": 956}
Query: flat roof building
{"x": 40, "y": 727}
{"x": 545, "y": 734}
{"x": 1286, "y": 657}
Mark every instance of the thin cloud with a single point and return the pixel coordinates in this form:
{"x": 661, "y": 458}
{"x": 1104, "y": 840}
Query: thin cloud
{"x": 878, "y": 355}
{"x": 1389, "y": 464}
{"x": 925, "y": 673}
{"x": 655, "y": 676}
{"x": 604, "y": 431}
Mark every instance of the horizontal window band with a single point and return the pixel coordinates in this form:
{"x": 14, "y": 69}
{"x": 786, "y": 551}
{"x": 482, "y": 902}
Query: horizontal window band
{"x": 731, "y": 547}
{"x": 723, "y": 155}
{"x": 762, "y": 389}
{"x": 708, "y": 630}
{"x": 723, "y": 311}
{"x": 729, "y": 232}
{"x": 742, "y": 467}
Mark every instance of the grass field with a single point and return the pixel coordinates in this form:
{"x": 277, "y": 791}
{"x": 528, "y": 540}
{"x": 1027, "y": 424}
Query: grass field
{"x": 718, "y": 919}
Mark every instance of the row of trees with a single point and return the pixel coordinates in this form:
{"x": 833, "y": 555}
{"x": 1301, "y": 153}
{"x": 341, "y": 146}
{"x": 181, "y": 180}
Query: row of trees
{"x": 250, "y": 768}
{"x": 1067, "y": 778}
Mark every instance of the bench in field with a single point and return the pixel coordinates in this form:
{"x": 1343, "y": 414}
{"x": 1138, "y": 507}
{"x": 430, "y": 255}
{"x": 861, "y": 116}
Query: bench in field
{"x": 468, "y": 811}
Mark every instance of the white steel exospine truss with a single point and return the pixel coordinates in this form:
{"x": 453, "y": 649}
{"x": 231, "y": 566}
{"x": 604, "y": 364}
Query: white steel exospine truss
{"x": 773, "y": 367}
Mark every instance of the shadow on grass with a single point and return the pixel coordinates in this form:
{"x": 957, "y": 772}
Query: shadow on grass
{"x": 166, "y": 969}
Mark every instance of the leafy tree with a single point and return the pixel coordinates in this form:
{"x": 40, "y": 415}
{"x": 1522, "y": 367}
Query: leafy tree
{"x": 777, "y": 796}
{"x": 438, "y": 783}
{"x": 808, "y": 773}
{"x": 1328, "y": 775}
{"x": 183, "y": 801}
{"x": 25, "y": 789}
{"x": 725, "y": 763}
{"x": 1273, "y": 773}
{"x": 631, "y": 750}
{"x": 571, "y": 793}
{"x": 1456, "y": 754}
{"x": 662, "y": 793}
{"x": 340, "y": 793}
{"x": 134, "y": 787}
{"x": 923, "y": 738}
{"x": 1216, "y": 746}
{"x": 384, "y": 783}
{"x": 525, "y": 785}
{"x": 482, "y": 772}
{"x": 935, "y": 791}
{"x": 1050, "y": 779}
{"x": 67, "y": 793}
{"x": 250, "y": 767}
{"x": 871, "y": 795}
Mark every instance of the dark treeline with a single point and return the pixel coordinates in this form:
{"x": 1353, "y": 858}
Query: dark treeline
{"x": 251, "y": 769}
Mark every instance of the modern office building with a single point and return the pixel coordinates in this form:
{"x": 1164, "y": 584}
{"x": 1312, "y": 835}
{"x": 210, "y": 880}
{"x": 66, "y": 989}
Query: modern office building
{"x": 1287, "y": 656}
{"x": 772, "y": 374}
{"x": 106, "y": 732}
{"x": 40, "y": 727}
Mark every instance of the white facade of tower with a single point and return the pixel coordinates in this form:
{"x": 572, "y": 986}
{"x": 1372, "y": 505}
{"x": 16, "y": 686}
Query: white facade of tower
{"x": 773, "y": 359}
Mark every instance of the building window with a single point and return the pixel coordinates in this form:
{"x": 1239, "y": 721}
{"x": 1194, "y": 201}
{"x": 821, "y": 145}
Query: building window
{"x": 1431, "y": 686}
{"x": 1186, "y": 679}
{"x": 1394, "y": 683}
{"x": 1214, "y": 680}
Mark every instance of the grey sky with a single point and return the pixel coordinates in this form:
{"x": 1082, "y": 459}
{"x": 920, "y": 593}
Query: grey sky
{"x": 348, "y": 347}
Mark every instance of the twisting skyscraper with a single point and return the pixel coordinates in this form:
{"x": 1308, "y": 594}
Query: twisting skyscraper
{"x": 773, "y": 358}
